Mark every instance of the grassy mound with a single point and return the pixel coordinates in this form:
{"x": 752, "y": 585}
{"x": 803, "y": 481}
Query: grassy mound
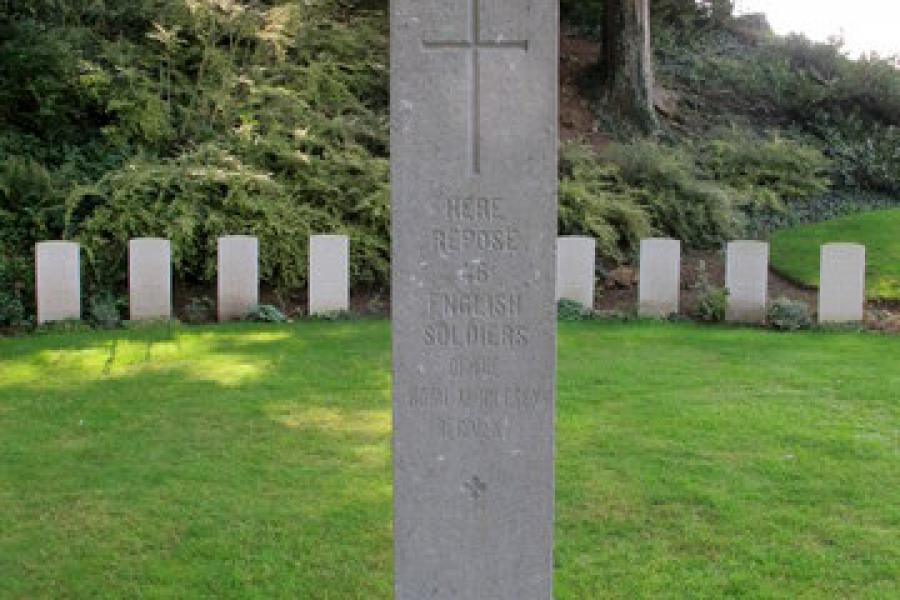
{"x": 795, "y": 252}
{"x": 254, "y": 461}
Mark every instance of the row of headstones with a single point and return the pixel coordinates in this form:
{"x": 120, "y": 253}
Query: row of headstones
{"x": 841, "y": 291}
{"x": 58, "y": 277}
{"x": 841, "y": 287}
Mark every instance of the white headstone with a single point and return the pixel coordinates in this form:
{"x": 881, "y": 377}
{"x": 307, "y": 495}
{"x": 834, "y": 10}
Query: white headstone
{"x": 238, "y": 276}
{"x": 329, "y": 273}
{"x": 747, "y": 281}
{"x": 58, "y": 281}
{"x": 842, "y": 283}
{"x": 149, "y": 279}
{"x": 660, "y": 279}
{"x": 575, "y": 269}
{"x": 474, "y": 217}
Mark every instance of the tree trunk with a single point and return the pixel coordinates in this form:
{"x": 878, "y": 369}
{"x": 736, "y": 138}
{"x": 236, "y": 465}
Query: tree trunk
{"x": 627, "y": 61}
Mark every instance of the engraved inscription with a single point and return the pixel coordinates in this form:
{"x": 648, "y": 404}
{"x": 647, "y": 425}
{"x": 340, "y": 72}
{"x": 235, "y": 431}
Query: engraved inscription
{"x": 455, "y": 240}
{"x": 507, "y": 399}
{"x": 472, "y": 208}
{"x": 476, "y": 367}
{"x": 473, "y": 428}
{"x": 475, "y": 334}
{"x": 490, "y": 306}
{"x": 477, "y": 412}
{"x": 478, "y": 226}
{"x": 475, "y": 224}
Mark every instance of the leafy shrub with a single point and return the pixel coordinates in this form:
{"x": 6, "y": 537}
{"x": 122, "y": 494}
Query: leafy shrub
{"x": 772, "y": 172}
{"x": 700, "y": 213}
{"x": 789, "y": 315}
{"x": 712, "y": 301}
{"x": 30, "y": 207}
{"x": 583, "y": 16}
{"x": 14, "y": 273}
{"x": 712, "y": 305}
{"x": 832, "y": 205}
{"x": 265, "y": 313}
{"x": 866, "y": 154}
{"x": 638, "y": 189}
{"x": 570, "y": 310}
{"x": 39, "y": 68}
{"x": 12, "y": 311}
{"x": 105, "y": 310}
{"x": 199, "y": 310}
{"x": 192, "y": 119}
{"x": 595, "y": 201}
{"x": 794, "y": 78}
{"x": 691, "y": 16}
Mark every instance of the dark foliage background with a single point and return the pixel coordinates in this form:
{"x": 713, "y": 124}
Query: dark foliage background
{"x": 193, "y": 118}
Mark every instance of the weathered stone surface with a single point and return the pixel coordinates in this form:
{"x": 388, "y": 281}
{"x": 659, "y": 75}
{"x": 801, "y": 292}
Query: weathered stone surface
{"x": 57, "y": 281}
{"x": 329, "y": 272}
{"x": 149, "y": 279}
{"x": 660, "y": 279}
{"x": 842, "y": 283}
{"x": 238, "y": 276}
{"x": 474, "y": 143}
{"x": 575, "y": 268}
{"x": 747, "y": 281}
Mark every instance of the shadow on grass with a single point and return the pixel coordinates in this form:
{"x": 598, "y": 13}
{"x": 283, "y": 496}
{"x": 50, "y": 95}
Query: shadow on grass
{"x": 236, "y": 461}
{"x": 252, "y": 460}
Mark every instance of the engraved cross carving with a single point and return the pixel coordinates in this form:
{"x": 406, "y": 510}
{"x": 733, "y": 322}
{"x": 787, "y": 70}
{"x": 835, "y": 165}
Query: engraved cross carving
{"x": 474, "y": 45}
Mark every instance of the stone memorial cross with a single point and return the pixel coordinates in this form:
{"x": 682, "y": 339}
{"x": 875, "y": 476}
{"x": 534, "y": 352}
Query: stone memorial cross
{"x": 473, "y": 164}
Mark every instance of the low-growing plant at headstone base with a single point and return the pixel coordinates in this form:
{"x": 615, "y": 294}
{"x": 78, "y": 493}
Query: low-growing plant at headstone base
{"x": 105, "y": 310}
{"x": 265, "y": 313}
{"x": 712, "y": 305}
{"x": 712, "y": 301}
{"x": 199, "y": 309}
{"x": 571, "y": 310}
{"x": 789, "y": 315}
{"x": 334, "y": 315}
{"x": 883, "y": 320}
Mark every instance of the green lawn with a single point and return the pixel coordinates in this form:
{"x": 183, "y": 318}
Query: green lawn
{"x": 253, "y": 461}
{"x": 795, "y": 252}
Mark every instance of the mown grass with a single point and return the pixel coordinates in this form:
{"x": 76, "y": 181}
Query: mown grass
{"x": 253, "y": 461}
{"x": 795, "y": 252}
